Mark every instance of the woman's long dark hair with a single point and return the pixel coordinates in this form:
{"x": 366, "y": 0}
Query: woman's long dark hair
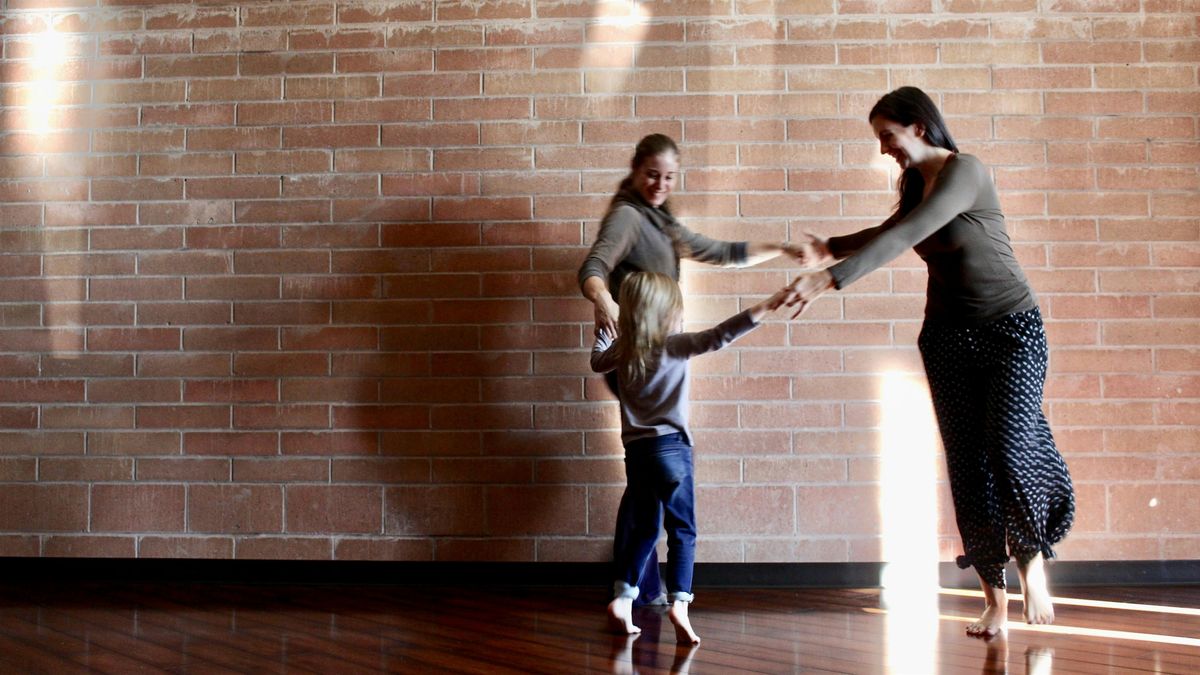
{"x": 906, "y": 106}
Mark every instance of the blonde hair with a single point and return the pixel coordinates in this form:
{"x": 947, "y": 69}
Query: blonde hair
{"x": 651, "y": 304}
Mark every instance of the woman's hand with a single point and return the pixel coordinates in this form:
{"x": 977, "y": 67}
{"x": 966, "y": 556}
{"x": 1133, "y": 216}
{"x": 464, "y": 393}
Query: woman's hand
{"x": 806, "y": 288}
{"x": 607, "y": 312}
{"x": 810, "y": 251}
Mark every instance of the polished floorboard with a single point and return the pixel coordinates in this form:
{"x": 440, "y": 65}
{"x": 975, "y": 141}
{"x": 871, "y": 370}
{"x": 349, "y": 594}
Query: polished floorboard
{"x": 264, "y": 628}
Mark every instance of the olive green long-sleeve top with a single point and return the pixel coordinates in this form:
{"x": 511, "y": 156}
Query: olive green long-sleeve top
{"x": 958, "y": 230}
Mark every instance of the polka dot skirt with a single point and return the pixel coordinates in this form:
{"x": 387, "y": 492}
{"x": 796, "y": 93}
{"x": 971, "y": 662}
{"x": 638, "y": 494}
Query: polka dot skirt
{"x": 1012, "y": 491}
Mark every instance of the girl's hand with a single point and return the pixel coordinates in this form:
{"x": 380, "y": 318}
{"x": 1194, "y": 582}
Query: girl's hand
{"x": 806, "y": 288}
{"x": 606, "y": 333}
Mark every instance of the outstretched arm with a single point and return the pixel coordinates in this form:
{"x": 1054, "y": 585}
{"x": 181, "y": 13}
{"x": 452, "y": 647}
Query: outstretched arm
{"x": 956, "y": 191}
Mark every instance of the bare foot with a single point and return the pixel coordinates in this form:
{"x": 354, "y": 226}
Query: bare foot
{"x": 620, "y": 617}
{"x": 1039, "y": 608}
{"x": 678, "y": 614}
{"x": 995, "y": 613}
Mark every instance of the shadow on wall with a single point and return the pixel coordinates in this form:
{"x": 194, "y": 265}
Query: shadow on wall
{"x": 479, "y": 391}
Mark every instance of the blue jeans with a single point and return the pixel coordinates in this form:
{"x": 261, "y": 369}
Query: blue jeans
{"x": 660, "y": 488}
{"x": 650, "y": 586}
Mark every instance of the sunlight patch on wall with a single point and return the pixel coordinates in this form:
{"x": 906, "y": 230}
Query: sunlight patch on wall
{"x": 908, "y": 519}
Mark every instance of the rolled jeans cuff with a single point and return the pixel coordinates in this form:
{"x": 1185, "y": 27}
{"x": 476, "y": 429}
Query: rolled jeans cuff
{"x": 680, "y": 596}
{"x": 625, "y": 590}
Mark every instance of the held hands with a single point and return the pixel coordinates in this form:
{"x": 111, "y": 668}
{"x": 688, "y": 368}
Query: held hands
{"x": 606, "y": 333}
{"x": 606, "y": 315}
{"x": 810, "y": 251}
{"x": 806, "y": 288}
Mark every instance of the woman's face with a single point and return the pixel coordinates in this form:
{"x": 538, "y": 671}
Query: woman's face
{"x": 905, "y": 144}
{"x": 655, "y": 178}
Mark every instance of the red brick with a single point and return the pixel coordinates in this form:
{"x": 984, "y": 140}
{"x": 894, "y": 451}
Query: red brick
{"x": 286, "y": 63}
{"x": 44, "y": 508}
{"x": 235, "y": 509}
{"x": 381, "y": 417}
{"x": 191, "y": 365}
{"x": 84, "y": 469}
{"x": 280, "y": 417}
{"x": 488, "y": 549}
{"x": 229, "y": 443}
{"x": 388, "y": 549}
{"x": 231, "y": 89}
{"x": 88, "y": 546}
{"x": 36, "y": 339}
{"x": 386, "y": 470}
{"x": 133, "y": 339}
{"x": 334, "y": 509}
{"x": 545, "y": 510}
{"x": 239, "y": 41}
{"x": 181, "y": 469}
{"x": 745, "y": 510}
{"x": 365, "y": 443}
{"x": 280, "y": 548}
{"x": 207, "y": 548}
{"x": 131, "y": 443}
{"x": 434, "y": 511}
{"x": 137, "y": 508}
{"x": 183, "y": 416}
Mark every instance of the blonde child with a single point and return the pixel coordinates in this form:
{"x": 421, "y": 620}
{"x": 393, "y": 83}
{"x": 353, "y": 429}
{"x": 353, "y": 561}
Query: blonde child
{"x": 651, "y": 361}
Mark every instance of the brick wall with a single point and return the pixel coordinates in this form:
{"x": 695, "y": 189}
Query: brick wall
{"x": 297, "y": 280}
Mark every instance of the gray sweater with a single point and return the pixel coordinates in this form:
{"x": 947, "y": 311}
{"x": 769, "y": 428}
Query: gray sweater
{"x": 637, "y": 237}
{"x": 958, "y": 230}
{"x": 659, "y": 405}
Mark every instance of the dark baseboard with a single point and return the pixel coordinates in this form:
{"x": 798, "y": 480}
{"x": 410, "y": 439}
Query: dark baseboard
{"x": 713, "y": 575}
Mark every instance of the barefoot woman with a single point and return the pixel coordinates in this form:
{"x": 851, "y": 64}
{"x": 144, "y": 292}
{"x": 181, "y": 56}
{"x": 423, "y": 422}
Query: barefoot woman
{"x": 983, "y": 346}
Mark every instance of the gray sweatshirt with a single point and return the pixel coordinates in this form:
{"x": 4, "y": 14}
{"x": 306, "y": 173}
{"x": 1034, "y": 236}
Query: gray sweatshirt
{"x": 659, "y": 405}
{"x": 637, "y": 237}
{"x": 958, "y": 230}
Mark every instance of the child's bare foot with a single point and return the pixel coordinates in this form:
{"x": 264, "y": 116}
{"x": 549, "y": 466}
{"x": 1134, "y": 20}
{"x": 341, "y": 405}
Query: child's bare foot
{"x": 995, "y": 613}
{"x": 1039, "y": 608}
{"x": 678, "y": 614}
{"x": 620, "y": 616}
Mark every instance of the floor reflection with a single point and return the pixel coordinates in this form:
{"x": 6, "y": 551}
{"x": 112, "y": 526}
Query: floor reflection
{"x": 648, "y": 651}
{"x": 69, "y": 628}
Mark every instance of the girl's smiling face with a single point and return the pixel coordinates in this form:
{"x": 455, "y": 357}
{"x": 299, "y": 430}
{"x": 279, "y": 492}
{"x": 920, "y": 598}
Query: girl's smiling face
{"x": 655, "y": 178}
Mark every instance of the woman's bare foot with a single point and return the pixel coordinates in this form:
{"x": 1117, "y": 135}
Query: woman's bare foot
{"x": 678, "y": 614}
{"x": 1039, "y": 607}
{"x": 995, "y": 613}
{"x": 620, "y": 617}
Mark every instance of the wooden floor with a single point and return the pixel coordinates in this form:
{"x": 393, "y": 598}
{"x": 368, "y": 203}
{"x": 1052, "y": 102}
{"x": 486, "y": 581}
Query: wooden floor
{"x": 201, "y": 628}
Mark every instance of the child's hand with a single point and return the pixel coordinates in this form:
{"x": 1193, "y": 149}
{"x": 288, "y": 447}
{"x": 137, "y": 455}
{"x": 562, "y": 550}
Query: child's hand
{"x": 780, "y": 298}
{"x": 606, "y": 332}
{"x": 806, "y": 288}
